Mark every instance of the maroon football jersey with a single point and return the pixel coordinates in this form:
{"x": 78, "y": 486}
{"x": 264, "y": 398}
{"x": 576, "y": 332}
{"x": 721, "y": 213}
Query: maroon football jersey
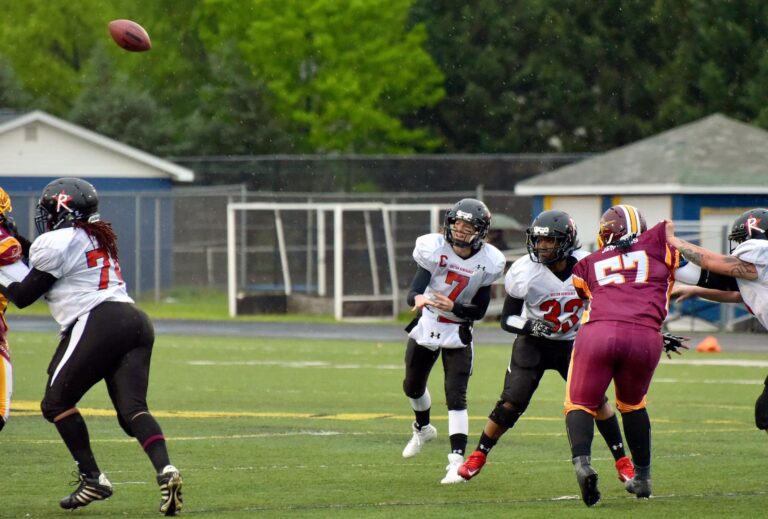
{"x": 631, "y": 285}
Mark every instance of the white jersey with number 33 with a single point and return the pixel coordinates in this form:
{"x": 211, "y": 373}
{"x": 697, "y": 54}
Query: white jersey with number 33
{"x": 546, "y": 296}
{"x": 87, "y": 275}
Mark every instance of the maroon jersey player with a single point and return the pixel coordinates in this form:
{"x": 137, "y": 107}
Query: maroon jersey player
{"x": 628, "y": 282}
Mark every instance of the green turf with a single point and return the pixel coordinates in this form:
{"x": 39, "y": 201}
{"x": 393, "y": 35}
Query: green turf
{"x": 336, "y": 451}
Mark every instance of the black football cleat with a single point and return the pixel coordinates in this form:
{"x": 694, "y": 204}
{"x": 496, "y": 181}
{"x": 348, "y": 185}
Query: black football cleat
{"x": 587, "y": 478}
{"x": 88, "y": 490}
{"x": 170, "y": 491}
{"x": 640, "y": 487}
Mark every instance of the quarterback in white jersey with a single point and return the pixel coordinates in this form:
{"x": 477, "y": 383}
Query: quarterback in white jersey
{"x": 453, "y": 277}
{"x": 544, "y": 311}
{"x": 104, "y": 336}
{"x": 747, "y": 264}
{"x": 451, "y": 290}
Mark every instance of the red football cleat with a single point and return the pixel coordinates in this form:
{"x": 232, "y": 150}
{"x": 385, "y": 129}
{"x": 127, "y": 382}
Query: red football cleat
{"x": 472, "y": 466}
{"x": 625, "y": 469}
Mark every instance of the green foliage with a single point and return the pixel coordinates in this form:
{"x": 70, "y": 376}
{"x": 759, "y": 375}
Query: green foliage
{"x": 398, "y": 76}
{"x": 343, "y": 72}
{"x": 12, "y": 94}
{"x": 110, "y": 104}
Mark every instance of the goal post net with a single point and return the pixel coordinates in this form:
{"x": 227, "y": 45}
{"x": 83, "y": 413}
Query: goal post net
{"x": 351, "y": 259}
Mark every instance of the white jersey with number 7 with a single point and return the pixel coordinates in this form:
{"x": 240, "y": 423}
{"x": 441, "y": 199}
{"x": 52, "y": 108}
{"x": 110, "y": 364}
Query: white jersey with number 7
{"x": 87, "y": 275}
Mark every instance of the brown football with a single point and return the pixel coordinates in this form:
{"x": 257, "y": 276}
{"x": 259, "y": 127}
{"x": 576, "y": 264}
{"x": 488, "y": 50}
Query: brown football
{"x": 130, "y": 35}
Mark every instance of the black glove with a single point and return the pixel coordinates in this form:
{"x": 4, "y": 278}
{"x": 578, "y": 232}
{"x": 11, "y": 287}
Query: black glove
{"x": 538, "y": 328}
{"x": 673, "y": 343}
{"x": 10, "y": 225}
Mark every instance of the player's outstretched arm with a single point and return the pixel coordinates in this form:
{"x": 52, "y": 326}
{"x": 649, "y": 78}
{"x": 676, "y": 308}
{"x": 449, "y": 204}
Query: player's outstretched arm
{"x": 712, "y": 261}
{"x": 683, "y": 292}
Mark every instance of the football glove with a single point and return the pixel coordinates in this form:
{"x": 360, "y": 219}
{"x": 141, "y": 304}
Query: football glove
{"x": 673, "y": 343}
{"x": 538, "y": 328}
{"x": 10, "y": 225}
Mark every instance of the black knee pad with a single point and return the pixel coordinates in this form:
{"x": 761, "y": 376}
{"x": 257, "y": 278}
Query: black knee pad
{"x": 51, "y": 411}
{"x": 2, "y": 423}
{"x": 761, "y": 409}
{"x": 413, "y": 390}
{"x": 505, "y": 416}
{"x": 456, "y": 400}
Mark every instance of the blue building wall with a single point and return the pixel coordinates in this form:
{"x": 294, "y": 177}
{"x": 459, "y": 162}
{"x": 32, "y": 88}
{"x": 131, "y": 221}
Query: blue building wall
{"x": 688, "y": 207}
{"x": 119, "y": 202}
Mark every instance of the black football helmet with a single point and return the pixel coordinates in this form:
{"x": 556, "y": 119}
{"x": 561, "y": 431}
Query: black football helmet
{"x": 620, "y": 222}
{"x": 473, "y": 211}
{"x": 552, "y": 224}
{"x": 751, "y": 225}
{"x": 65, "y": 200}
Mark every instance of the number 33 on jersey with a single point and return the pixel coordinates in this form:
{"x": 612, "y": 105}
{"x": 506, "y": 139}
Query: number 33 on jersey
{"x": 546, "y": 296}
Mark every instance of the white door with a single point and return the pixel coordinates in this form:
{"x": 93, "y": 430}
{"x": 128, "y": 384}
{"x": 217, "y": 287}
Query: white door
{"x": 653, "y": 208}
{"x": 585, "y": 211}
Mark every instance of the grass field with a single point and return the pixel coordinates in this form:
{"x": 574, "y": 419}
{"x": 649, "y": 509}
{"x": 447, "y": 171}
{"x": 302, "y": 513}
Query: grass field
{"x": 291, "y": 428}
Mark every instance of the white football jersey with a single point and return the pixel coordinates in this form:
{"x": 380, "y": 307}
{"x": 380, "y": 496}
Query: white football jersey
{"x": 87, "y": 276}
{"x": 546, "y": 296}
{"x": 458, "y": 279}
{"x": 755, "y": 293}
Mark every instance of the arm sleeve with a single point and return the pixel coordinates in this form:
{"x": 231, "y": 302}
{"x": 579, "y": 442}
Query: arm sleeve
{"x": 419, "y": 284}
{"x": 25, "y": 245}
{"x": 512, "y": 306}
{"x": 709, "y": 279}
{"x": 475, "y": 310}
{"x": 24, "y": 293}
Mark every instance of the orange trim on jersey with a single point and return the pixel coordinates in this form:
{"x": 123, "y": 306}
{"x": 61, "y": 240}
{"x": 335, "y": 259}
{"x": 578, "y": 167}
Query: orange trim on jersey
{"x": 627, "y": 408}
{"x": 672, "y": 265}
{"x": 581, "y": 286}
{"x": 4, "y": 400}
{"x": 570, "y": 406}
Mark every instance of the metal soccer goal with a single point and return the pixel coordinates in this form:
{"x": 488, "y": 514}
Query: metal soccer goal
{"x": 353, "y": 255}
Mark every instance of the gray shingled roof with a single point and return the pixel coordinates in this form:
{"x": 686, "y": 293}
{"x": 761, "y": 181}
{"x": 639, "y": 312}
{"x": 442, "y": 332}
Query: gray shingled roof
{"x": 715, "y": 155}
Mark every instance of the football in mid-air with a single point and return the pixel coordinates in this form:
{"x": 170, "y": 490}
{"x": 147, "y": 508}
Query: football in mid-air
{"x": 130, "y": 35}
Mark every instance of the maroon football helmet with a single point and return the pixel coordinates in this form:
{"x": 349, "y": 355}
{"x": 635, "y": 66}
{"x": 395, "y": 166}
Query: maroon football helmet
{"x": 619, "y": 222}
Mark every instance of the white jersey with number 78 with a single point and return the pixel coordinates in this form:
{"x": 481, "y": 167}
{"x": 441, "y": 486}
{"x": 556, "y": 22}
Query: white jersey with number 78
{"x": 87, "y": 275}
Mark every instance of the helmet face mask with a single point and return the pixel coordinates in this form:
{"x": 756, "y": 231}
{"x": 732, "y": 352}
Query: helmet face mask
{"x": 750, "y": 225}
{"x": 620, "y": 223}
{"x": 475, "y": 213}
{"x": 555, "y": 228}
{"x": 65, "y": 201}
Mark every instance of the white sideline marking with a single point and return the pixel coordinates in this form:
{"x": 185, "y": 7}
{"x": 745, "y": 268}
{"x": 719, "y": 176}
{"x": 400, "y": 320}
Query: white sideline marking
{"x": 707, "y": 381}
{"x": 720, "y": 362}
{"x": 292, "y": 364}
{"x": 199, "y": 438}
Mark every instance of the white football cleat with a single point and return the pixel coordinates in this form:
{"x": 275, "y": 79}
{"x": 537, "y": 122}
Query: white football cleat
{"x": 419, "y": 438}
{"x": 452, "y": 476}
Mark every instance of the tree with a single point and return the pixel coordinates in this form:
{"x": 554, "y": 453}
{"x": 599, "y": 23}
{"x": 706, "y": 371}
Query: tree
{"x": 544, "y": 75}
{"x": 111, "y": 104}
{"x": 12, "y": 94}
{"x": 345, "y": 73}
